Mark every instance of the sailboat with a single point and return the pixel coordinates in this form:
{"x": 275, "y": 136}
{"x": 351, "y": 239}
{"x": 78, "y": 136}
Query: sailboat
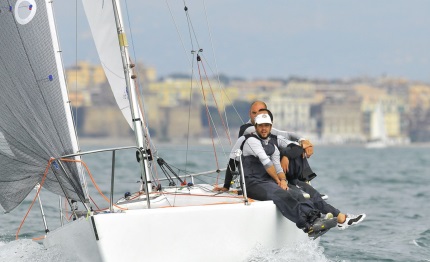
{"x": 39, "y": 147}
{"x": 378, "y": 136}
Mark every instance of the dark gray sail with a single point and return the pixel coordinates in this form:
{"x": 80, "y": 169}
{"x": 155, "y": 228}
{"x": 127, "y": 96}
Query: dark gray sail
{"x": 34, "y": 125}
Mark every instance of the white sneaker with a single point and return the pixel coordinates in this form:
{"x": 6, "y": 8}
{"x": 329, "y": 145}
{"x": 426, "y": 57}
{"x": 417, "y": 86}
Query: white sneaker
{"x": 351, "y": 220}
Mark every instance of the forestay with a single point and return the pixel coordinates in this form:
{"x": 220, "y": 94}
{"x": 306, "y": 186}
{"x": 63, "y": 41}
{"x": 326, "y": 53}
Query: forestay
{"x": 35, "y": 119}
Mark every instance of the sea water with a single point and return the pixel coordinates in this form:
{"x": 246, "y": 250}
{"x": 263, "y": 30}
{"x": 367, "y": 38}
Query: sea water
{"x": 391, "y": 185}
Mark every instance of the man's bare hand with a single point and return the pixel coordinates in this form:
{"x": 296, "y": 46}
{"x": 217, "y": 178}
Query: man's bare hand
{"x": 308, "y": 147}
{"x": 285, "y": 163}
{"x": 283, "y": 184}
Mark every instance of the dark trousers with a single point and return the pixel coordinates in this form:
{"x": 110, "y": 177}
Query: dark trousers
{"x": 292, "y": 204}
{"x": 298, "y": 168}
{"x": 316, "y": 199}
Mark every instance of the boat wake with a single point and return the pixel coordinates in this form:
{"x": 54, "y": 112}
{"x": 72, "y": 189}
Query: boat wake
{"x": 308, "y": 250}
{"x": 24, "y": 250}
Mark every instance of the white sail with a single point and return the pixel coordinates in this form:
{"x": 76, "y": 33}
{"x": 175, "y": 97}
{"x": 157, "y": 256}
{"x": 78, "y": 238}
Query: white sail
{"x": 378, "y": 125}
{"x": 101, "y": 19}
{"x": 378, "y": 134}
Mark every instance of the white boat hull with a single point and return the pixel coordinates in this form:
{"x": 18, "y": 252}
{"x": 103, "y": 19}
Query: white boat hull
{"x": 229, "y": 232}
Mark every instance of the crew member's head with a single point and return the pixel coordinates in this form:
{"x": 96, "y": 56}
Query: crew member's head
{"x": 263, "y": 123}
{"x": 255, "y": 107}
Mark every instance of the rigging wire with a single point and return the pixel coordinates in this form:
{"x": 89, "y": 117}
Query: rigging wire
{"x": 214, "y": 98}
{"x": 217, "y": 71}
{"x": 208, "y": 117}
{"x": 76, "y": 62}
{"x": 193, "y": 41}
{"x": 35, "y": 197}
{"x": 92, "y": 179}
{"x": 219, "y": 113}
{"x": 191, "y": 62}
{"x": 76, "y": 115}
{"x": 191, "y": 33}
{"x": 189, "y": 111}
{"x": 190, "y": 26}
{"x": 223, "y": 89}
{"x": 43, "y": 181}
{"x": 191, "y": 91}
{"x": 179, "y": 34}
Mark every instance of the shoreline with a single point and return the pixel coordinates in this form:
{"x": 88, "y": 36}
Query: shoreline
{"x": 130, "y": 141}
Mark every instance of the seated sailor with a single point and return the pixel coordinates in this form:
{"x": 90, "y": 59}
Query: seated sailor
{"x": 294, "y": 160}
{"x": 265, "y": 180}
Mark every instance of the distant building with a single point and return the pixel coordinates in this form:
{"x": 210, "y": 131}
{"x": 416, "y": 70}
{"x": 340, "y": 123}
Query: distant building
{"x": 419, "y": 114}
{"x": 342, "y": 120}
{"x": 84, "y": 75}
{"x": 291, "y": 107}
{"x": 179, "y": 123}
{"x": 337, "y": 111}
{"x": 256, "y": 89}
{"x": 105, "y": 121}
{"x": 91, "y": 96}
{"x": 79, "y": 80}
{"x": 394, "y": 109}
{"x": 419, "y": 96}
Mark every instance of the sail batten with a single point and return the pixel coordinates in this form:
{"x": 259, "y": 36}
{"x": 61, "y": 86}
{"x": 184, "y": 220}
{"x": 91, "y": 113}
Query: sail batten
{"x": 35, "y": 124}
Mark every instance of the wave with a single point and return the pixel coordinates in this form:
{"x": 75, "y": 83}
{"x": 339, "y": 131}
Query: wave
{"x": 302, "y": 251}
{"x": 423, "y": 240}
{"x": 26, "y": 250}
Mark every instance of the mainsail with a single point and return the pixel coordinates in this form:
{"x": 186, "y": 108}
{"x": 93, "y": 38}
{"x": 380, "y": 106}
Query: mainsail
{"x": 101, "y": 19}
{"x": 35, "y": 119}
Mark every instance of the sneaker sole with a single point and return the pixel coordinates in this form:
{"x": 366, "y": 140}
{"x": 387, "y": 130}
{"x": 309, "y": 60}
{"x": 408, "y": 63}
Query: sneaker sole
{"x": 316, "y": 235}
{"x": 325, "y": 226}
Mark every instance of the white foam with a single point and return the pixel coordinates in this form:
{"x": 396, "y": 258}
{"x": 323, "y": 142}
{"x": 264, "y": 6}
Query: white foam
{"x": 26, "y": 250}
{"x": 415, "y": 243}
{"x": 302, "y": 251}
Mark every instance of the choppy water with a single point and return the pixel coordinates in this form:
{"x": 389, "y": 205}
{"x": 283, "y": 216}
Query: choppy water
{"x": 392, "y": 186}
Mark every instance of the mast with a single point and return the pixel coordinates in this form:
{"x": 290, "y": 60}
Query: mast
{"x": 131, "y": 90}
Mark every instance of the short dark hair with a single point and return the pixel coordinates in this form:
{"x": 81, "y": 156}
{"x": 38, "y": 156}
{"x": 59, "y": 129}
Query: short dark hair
{"x": 268, "y": 112}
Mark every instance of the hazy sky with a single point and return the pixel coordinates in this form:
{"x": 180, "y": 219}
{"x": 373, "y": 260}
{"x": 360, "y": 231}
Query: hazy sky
{"x": 262, "y": 39}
